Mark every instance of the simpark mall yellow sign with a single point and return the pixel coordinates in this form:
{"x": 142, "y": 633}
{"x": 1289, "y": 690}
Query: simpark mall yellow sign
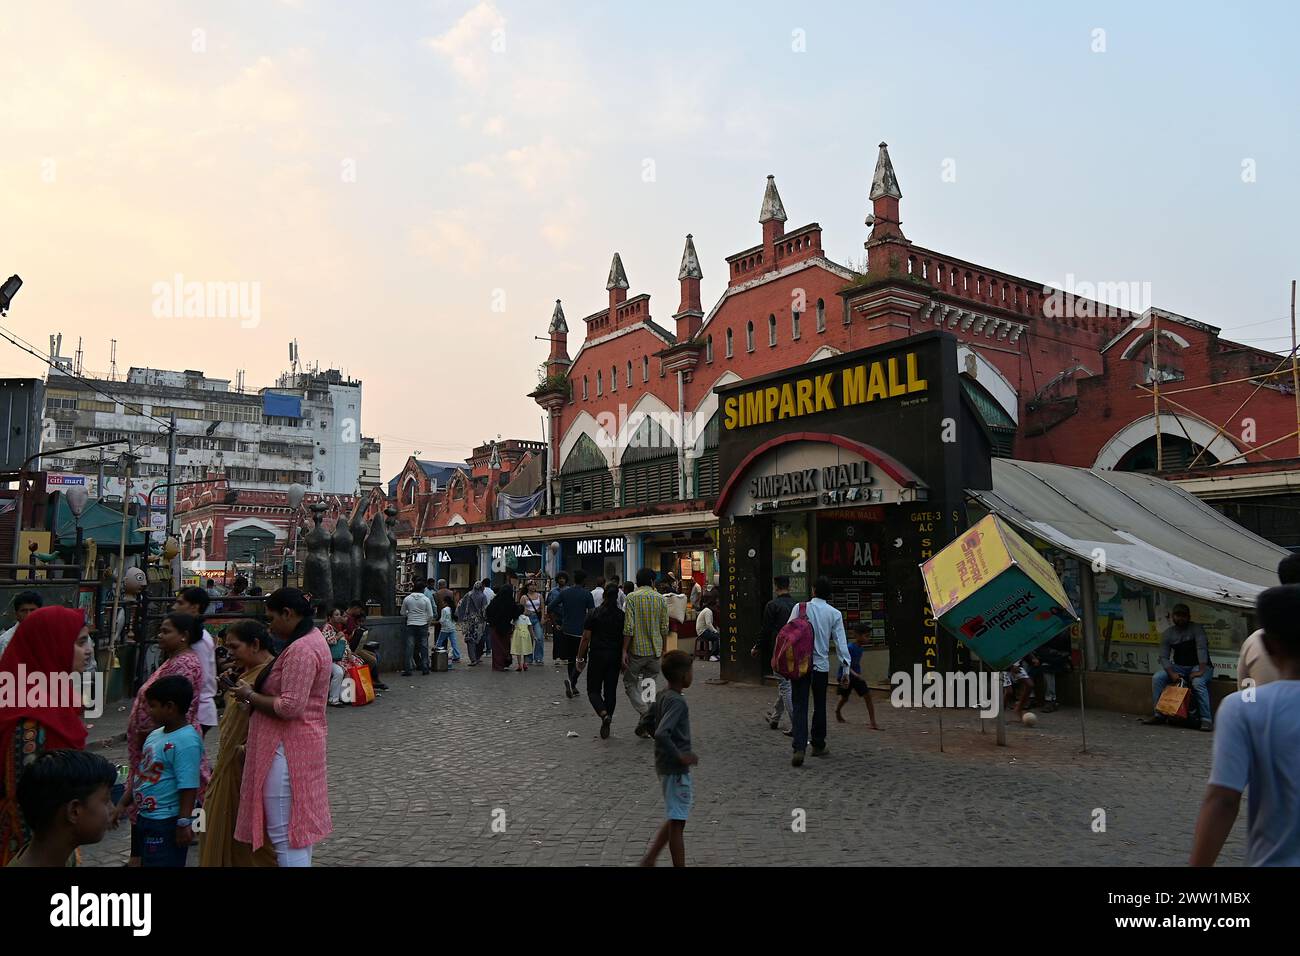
{"x": 856, "y": 385}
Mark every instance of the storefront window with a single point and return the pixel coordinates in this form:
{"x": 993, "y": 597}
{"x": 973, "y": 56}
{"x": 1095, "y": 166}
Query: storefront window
{"x": 790, "y": 554}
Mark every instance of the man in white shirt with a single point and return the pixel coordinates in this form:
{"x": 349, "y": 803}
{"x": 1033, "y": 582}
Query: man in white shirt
{"x": 827, "y": 625}
{"x": 418, "y": 611}
{"x": 487, "y": 589}
{"x": 24, "y": 603}
{"x": 194, "y": 601}
{"x": 1254, "y": 667}
{"x": 598, "y": 592}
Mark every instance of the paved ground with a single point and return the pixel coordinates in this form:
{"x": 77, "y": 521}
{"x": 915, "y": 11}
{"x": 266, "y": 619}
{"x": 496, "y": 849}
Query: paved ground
{"x": 416, "y": 778}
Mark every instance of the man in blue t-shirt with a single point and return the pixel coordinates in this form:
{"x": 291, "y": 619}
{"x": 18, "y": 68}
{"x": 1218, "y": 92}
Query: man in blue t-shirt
{"x": 857, "y": 683}
{"x": 1255, "y": 748}
{"x": 571, "y": 606}
{"x": 165, "y": 782}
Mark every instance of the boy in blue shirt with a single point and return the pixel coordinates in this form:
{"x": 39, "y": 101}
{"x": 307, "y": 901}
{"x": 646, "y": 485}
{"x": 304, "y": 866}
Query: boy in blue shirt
{"x": 856, "y": 683}
{"x": 167, "y": 777}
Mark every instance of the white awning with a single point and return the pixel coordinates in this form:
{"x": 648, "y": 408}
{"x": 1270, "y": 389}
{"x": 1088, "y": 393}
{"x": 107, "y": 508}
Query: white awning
{"x": 1142, "y": 527}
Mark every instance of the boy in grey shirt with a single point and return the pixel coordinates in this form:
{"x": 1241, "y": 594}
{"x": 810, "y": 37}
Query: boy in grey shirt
{"x": 673, "y": 758}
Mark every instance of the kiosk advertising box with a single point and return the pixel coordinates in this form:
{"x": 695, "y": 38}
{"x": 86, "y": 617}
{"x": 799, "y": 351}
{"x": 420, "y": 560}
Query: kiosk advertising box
{"x": 992, "y": 590}
{"x": 854, "y": 467}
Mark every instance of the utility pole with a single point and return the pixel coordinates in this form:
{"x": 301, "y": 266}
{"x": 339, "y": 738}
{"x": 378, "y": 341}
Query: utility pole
{"x": 99, "y": 484}
{"x": 171, "y": 475}
{"x": 1155, "y": 386}
{"x": 1295, "y": 372}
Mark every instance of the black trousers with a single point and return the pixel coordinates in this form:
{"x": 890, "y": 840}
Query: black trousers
{"x": 603, "y": 678}
{"x": 814, "y": 682}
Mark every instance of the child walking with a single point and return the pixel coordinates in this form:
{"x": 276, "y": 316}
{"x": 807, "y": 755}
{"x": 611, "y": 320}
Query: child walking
{"x": 447, "y": 630}
{"x": 167, "y": 776}
{"x": 857, "y": 684}
{"x": 673, "y": 758}
{"x": 521, "y": 640}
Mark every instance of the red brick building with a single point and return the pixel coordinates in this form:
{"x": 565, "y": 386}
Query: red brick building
{"x": 1057, "y": 374}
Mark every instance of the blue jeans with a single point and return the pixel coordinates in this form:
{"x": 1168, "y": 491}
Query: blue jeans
{"x": 1200, "y": 687}
{"x": 539, "y": 641}
{"x": 158, "y": 843}
{"x": 415, "y": 648}
{"x": 814, "y": 683}
{"x": 443, "y": 636}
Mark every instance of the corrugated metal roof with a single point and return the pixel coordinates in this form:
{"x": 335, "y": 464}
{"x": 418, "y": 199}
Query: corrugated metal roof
{"x": 1146, "y": 528}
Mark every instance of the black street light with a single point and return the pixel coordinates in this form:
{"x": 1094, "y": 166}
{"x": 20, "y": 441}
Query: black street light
{"x": 7, "y": 292}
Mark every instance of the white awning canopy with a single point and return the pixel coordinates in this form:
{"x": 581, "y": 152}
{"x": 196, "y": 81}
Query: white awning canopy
{"x": 1144, "y": 528}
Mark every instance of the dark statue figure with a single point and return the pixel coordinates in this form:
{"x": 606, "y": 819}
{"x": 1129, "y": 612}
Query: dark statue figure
{"x": 390, "y": 514}
{"x": 316, "y": 575}
{"x": 358, "y": 553}
{"x": 342, "y": 570}
{"x": 377, "y": 585}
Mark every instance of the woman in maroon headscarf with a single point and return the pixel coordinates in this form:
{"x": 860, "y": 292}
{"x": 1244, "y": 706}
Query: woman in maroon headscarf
{"x": 53, "y": 641}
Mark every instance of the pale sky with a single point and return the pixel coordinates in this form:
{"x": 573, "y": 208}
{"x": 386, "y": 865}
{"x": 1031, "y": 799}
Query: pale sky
{"x": 410, "y": 186}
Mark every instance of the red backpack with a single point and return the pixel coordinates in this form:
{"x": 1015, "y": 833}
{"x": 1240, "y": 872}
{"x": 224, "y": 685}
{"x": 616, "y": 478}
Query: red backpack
{"x": 792, "y": 657}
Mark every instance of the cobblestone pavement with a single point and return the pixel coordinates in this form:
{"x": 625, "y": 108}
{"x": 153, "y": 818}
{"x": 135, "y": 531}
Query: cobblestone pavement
{"x": 415, "y": 780}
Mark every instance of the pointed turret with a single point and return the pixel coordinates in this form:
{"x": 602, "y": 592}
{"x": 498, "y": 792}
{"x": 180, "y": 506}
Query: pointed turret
{"x": 617, "y": 277}
{"x": 772, "y": 218}
{"x": 886, "y": 230}
{"x": 772, "y": 208}
{"x": 558, "y": 361}
{"x": 689, "y": 313}
{"x": 558, "y": 325}
{"x": 617, "y": 286}
{"x": 690, "y": 261}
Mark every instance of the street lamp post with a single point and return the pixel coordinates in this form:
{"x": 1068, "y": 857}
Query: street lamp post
{"x": 295, "y": 495}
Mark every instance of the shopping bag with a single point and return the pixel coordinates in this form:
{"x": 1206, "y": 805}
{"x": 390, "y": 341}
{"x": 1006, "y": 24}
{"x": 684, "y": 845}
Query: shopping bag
{"x": 1173, "y": 701}
{"x": 363, "y": 691}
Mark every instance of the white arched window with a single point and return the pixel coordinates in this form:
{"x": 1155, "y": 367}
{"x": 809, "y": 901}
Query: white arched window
{"x": 821, "y": 316}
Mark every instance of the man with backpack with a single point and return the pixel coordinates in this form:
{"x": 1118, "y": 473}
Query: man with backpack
{"x": 775, "y": 614}
{"x": 803, "y": 655}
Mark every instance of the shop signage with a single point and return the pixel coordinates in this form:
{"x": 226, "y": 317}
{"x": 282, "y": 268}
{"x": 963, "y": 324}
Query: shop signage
{"x": 991, "y": 589}
{"x": 830, "y": 484}
{"x": 516, "y": 550}
{"x": 55, "y": 479}
{"x": 444, "y": 557}
{"x": 601, "y": 545}
{"x": 894, "y": 377}
{"x": 814, "y": 475}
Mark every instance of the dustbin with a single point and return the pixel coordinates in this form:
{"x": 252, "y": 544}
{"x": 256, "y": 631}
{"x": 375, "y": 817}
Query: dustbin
{"x": 440, "y": 660}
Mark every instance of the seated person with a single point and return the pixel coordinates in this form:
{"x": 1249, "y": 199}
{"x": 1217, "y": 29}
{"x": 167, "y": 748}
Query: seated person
{"x": 1184, "y": 654}
{"x": 354, "y": 627}
{"x": 1049, "y": 660}
{"x": 1017, "y": 686}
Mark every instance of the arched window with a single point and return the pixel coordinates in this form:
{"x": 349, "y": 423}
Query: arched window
{"x": 613, "y": 378}
{"x": 731, "y": 350}
{"x": 600, "y": 386}
{"x": 629, "y": 374}
{"x": 749, "y": 336}
{"x": 410, "y": 491}
{"x": 821, "y": 316}
{"x": 771, "y": 330}
{"x": 708, "y": 349}
{"x": 645, "y": 368}
{"x": 585, "y": 395}
{"x": 794, "y": 324}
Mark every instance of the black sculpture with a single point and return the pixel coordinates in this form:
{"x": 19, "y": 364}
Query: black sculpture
{"x": 342, "y": 570}
{"x": 316, "y": 577}
{"x": 377, "y": 585}
{"x": 358, "y": 530}
{"x": 390, "y": 514}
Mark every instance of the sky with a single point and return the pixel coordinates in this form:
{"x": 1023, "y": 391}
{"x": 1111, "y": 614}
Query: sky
{"x": 406, "y": 188}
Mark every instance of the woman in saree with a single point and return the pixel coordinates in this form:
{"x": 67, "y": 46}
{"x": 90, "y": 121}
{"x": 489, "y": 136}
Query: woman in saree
{"x": 249, "y": 645}
{"x": 177, "y": 635}
{"x": 284, "y": 796}
{"x": 51, "y": 641}
{"x": 501, "y": 615}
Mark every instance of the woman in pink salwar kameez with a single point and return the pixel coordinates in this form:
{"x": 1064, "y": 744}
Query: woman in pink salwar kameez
{"x": 284, "y": 799}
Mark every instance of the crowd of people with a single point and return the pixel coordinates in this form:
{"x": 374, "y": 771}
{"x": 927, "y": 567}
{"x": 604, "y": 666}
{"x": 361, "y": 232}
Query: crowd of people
{"x": 263, "y": 799}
